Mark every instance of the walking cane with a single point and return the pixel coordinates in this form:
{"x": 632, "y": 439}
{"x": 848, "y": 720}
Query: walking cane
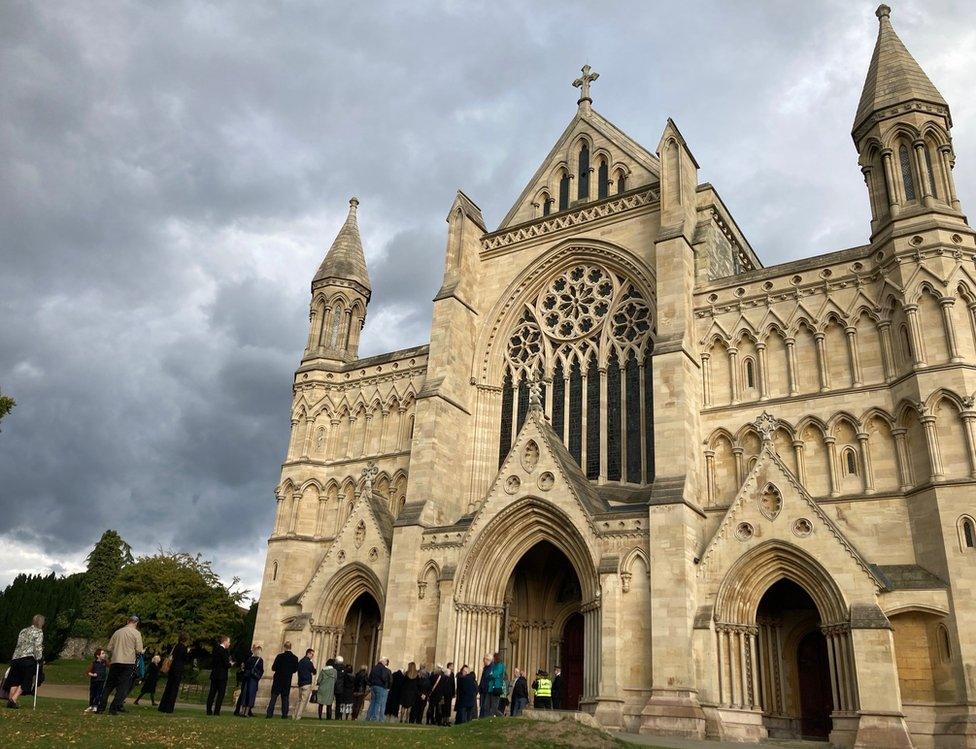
{"x": 37, "y": 675}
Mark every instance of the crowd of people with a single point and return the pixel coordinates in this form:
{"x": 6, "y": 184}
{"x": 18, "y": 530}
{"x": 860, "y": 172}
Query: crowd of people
{"x": 414, "y": 694}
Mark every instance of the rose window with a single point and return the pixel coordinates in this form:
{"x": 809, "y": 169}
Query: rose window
{"x": 576, "y": 302}
{"x": 632, "y": 321}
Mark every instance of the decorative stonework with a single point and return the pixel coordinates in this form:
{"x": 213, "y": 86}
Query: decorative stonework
{"x": 770, "y": 502}
{"x": 744, "y": 531}
{"x": 360, "y": 533}
{"x": 374, "y": 554}
{"x": 802, "y": 528}
{"x": 530, "y": 456}
{"x": 546, "y": 481}
{"x": 512, "y": 484}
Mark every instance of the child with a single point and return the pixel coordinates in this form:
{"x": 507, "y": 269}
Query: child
{"x": 97, "y": 674}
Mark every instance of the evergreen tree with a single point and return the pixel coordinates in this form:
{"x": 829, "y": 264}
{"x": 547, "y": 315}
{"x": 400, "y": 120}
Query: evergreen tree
{"x": 57, "y": 598}
{"x": 6, "y": 405}
{"x": 105, "y": 561}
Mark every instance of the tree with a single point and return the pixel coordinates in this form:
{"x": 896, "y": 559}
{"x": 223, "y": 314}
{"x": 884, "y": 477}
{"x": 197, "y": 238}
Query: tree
{"x": 173, "y": 593}
{"x": 105, "y": 561}
{"x": 57, "y": 598}
{"x": 6, "y": 405}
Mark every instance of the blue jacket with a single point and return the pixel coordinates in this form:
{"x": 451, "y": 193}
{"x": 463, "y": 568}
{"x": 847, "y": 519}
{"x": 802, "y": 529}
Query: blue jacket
{"x": 306, "y": 670}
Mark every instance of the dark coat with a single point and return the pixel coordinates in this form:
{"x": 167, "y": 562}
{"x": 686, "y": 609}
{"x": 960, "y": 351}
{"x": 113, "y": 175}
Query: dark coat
{"x": 306, "y": 670}
{"x": 447, "y": 689}
{"x": 409, "y": 691}
{"x": 220, "y": 664}
{"x": 520, "y": 688}
{"x": 345, "y": 682}
{"x": 467, "y": 691}
{"x": 483, "y": 684}
{"x": 284, "y": 666}
{"x": 380, "y": 676}
{"x": 557, "y": 689}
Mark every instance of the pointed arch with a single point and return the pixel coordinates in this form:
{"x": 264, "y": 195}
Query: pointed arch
{"x": 342, "y": 590}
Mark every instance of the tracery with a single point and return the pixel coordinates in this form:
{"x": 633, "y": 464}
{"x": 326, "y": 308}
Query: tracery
{"x": 588, "y": 333}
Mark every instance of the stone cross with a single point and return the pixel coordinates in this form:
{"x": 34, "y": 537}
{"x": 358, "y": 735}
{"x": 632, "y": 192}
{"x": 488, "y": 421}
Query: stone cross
{"x": 583, "y": 84}
{"x": 369, "y": 473}
{"x": 766, "y": 425}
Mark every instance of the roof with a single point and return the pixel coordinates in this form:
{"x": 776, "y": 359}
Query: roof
{"x": 345, "y": 259}
{"x": 894, "y": 77}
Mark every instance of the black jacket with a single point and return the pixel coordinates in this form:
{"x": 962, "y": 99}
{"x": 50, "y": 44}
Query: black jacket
{"x": 220, "y": 664}
{"x": 380, "y": 676}
{"x": 557, "y": 688}
{"x": 520, "y": 688}
{"x": 467, "y": 691}
{"x": 306, "y": 670}
{"x": 285, "y": 665}
{"x": 254, "y": 668}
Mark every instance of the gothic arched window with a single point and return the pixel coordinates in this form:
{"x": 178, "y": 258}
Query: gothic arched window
{"x": 589, "y": 332}
{"x": 621, "y": 181}
{"x": 274, "y": 570}
{"x": 850, "y": 462}
{"x": 931, "y": 171}
{"x": 750, "y": 373}
{"x": 564, "y": 192}
{"x": 907, "y": 175}
{"x": 583, "y": 189}
{"x": 546, "y": 204}
{"x": 968, "y": 534}
{"x": 603, "y": 179}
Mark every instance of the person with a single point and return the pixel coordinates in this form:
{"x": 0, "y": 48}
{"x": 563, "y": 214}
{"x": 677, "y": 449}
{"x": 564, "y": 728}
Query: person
{"x": 344, "y": 696}
{"x": 496, "y": 684}
{"x": 125, "y": 645}
{"x": 306, "y": 670}
{"x": 380, "y": 681}
{"x": 28, "y": 653}
{"x": 542, "y": 690}
{"x": 557, "y": 688}
{"x": 150, "y": 680}
{"x": 253, "y": 671}
{"x": 97, "y": 674}
{"x": 520, "y": 693}
{"x": 409, "y": 691}
{"x": 219, "y": 668}
{"x": 423, "y": 691}
{"x": 325, "y": 688}
{"x": 467, "y": 695}
{"x": 284, "y": 667}
{"x": 441, "y": 697}
{"x": 434, "y": 693}
{"x": 178, "y": 657}
{"x": 483, "y": 687}
{"x": 360, "y": 688}
{"x": 392, "y": 711}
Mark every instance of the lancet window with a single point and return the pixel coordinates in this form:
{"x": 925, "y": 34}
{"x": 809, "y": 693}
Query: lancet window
{"x": 588, "y": 334}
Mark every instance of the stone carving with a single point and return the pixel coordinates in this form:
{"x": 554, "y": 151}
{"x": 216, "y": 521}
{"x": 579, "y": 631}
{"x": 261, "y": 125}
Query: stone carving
{"x": 802, "y": 528}
{"x": 744, "y": 531}
{"x": 766, "y": 425}
{"x": 374, "y": 554}
{"x": 341, "y": 556}
{"x": 512, "y": 484}
{"x": 360, "y": 533}
{"x": 583, "y": 83}
{"x": 530, "y": 456}
{"x": 625, "y": 578}
{"x": 369, "y": 474}
{"x": 770, "y": 502}
{"x": 576, "y": 302}
{"x": 546, "y": 481}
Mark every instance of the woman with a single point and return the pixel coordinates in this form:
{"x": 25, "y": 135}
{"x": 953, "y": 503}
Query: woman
{"x": 344, "y": 695}
{"x": 28, "y": 653}
{"x": 178, "y": 659}
{"x": 253, "y": 670}
{"x": 360, "y": 688}
{"x": 409, "y": 691}
{"x": 325, "y": 688}
{"x": 467, "y": 695}
{"x": 392, "y": 710}
{"x": 150, "y": 680}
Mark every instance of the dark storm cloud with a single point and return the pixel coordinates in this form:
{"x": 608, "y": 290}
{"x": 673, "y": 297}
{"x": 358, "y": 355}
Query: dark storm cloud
{"x": 172, "y": 173}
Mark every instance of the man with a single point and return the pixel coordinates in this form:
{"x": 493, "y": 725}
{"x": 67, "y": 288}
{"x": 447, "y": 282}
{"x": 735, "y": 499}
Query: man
{"x": 28, "y": 653}
{"x": 125, "y": 645}
{"x": 520, "y": 693}
{"x": 483, "y": 688}
{"x": 218, "y": 675}
{"x": 448, "y": 690}
{"x": 496, "y": 684}
{"x": 380, "y": 681}
{"x": 306, "y": 670}
{"x": 284, "y": 667}
{"x": 542, "y": 689}
{"x": 557, "y": 688}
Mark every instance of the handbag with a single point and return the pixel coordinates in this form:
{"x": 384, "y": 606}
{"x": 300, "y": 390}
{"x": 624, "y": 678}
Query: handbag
{"x": 314, "y": 699}
{"x": 165, "y": 666}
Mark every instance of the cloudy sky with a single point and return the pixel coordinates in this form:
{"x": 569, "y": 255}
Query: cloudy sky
{"x": 172, "y": 173}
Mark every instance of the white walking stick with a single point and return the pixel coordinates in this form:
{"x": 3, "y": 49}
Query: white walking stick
{"x": 37, "y": 675}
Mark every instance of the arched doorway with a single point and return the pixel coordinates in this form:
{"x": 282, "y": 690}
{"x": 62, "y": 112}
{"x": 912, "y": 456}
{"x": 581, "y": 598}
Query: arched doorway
{"x": 360, "y": 633}
{"x": 794, "y": 672}
{"x": 542, "y": 604}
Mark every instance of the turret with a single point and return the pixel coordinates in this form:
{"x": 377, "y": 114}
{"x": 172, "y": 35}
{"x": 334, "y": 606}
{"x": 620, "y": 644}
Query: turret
{"x": 340, "y": 294}
{"x": 901, "y": 132}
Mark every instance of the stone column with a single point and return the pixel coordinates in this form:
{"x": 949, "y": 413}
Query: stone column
{"x": 800, "y": 467}
{"x": 872, "y": 198}
{"x": 932, "y": 443}
{"x": 852, "y": 354}
{"x": 296, "y": 500}
{"x": 891, "y": 184}
{"x": 734, "y": 372}
{"x": 763, "y": 377}
{"x": 969, "y": 422}
{"x": 918, "y": 348}
{"x": 706, "y": 380}
{"x": 887, "y": 359}
{"x": 791, "y": 364}
{"x": 922, "y": 168}
{"x": 862, "y": 439}
{"x": 831, "y": 443}
{"x": 822, "y": 361}
{"x": 710, "y": 476}
{"x": 901, "y": 451}
{"x": 945, "y": 305}
{"x": 739, "y": 468}
{"x": 293, "y": 442}
{"x": 945, "y": 159}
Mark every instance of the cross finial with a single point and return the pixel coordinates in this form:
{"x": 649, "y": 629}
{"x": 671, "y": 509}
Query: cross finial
{"x": 583, "y": 84}
{"x": 766, "y": 425}
{"x": 535, "y": 394}
{"x": 369, "y": 473}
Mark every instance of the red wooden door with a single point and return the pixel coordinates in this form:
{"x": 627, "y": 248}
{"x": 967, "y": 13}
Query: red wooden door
{"x": 572, "y": 662}
{"x": 815, "y": 700}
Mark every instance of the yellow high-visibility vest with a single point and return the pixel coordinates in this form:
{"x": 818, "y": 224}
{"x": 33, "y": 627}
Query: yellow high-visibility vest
{"x": 544, "y": 689}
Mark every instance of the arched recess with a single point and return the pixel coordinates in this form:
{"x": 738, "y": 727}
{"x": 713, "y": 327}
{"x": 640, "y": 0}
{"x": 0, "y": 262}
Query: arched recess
{"x": 748, "y": 650}
{"x": 343, "y": 590}
{"x": 488, "y": 566}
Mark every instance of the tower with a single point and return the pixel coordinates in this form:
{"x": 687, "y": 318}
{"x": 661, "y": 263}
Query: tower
{"x": 901, "y": 132}
{"x": 340, "y": 294}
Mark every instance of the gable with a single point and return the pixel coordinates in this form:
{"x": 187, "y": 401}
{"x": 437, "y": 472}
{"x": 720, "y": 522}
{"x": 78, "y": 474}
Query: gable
{"x": 605, "y": 141}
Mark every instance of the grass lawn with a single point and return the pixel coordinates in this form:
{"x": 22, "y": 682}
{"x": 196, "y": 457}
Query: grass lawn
{"x": 61, "y": 723}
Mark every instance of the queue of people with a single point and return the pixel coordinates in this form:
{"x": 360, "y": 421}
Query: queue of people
{"x": 411, "y": 695}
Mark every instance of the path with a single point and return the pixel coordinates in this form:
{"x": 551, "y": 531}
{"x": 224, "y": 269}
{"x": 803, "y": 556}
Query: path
{"x": 80, "y": 692}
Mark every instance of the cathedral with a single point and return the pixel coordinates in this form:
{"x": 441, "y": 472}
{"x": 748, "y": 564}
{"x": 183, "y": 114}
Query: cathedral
{"x": 728, "y": 500}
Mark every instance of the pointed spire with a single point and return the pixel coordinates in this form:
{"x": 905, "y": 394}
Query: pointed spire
{"x": 345, "y": 259}
{"x": 894, "y": 77}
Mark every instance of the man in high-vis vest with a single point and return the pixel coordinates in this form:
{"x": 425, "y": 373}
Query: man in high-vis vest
{"x": 542, "y": 689}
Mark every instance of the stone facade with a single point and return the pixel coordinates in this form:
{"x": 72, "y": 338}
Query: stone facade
{"x": 727, "y": 500}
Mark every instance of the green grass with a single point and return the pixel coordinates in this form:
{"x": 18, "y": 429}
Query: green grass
{"x": 61, "y": 723}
